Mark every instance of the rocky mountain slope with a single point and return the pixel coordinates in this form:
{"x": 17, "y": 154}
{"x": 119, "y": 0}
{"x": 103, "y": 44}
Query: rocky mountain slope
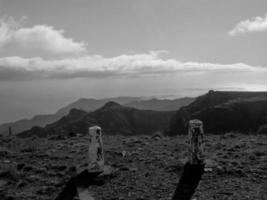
{"x": 91, "y": 105}
{"x": 161, "y": 104}
{"x": 224, "y": 111}
{"x": 112, "y": 117}
{"x": 42, "y": 120}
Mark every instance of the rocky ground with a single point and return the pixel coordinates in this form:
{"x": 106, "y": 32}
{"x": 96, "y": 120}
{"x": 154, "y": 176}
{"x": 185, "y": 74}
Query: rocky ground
{"x": 145, "y": 167}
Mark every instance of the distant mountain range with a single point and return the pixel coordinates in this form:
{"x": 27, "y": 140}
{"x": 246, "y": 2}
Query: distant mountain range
{"x": 112, "y": 117}
{"x": 220, "y": 111}
{"x": 89, "y": 105}
{"x": 93, "y": 104}
{"x": 161, "y": 104}
{"x": 244, "y": 112}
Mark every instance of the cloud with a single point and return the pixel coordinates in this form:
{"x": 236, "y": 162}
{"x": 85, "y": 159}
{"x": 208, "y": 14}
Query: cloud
{"x": 257, "y": 24}
{"x": 97, "y": 66}
{"x": 39, "y": 37}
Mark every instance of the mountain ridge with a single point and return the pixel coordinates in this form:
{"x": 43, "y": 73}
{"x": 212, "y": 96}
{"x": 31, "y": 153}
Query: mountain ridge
{"x": 82, "y": 104}
{"x": 161, "y": 105}
{"x": 112, "y": 117}
{"x": 223, "y": 111}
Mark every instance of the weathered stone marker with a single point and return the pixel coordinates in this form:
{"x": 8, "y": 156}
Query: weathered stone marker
{"x": 194, "y": 168}
{"x": 196, "y": 135}
{"x": 95, "y": 160}
{"x": 95, "y": 151}
{"x": 9, "y": 131}
{"x": 79, "y": 184}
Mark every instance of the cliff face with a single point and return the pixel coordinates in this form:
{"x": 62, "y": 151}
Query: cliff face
{"x": 223, "y": 111}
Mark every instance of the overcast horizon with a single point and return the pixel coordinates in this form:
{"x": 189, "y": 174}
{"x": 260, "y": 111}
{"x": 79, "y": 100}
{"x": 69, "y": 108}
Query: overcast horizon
{"x": 55, "y": 52}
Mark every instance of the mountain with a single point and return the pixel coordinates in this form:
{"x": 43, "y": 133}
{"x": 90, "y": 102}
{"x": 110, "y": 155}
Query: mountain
{"x": 91, "y": 105}
{"x": 42, "y": 120}
{"x": 161, "y": 104}
{"x": 222, "y": 112}
{"x": 24, "y": 124}
{"x": 112, "y": 117}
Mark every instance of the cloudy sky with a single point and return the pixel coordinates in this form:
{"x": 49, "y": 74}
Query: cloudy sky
{"x": 55, "y": 51}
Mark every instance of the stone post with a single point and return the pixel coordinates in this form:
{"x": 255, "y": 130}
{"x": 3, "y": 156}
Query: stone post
{"x": 95, "y": 151}
{"x": 194, "y": 168}
{"x": 9, "y": 131}
{"x": 196, "y": 135}
{"x": 78, "y": 185}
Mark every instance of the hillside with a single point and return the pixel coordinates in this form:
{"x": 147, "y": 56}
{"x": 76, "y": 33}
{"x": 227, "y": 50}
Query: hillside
{"x": 112, "y": 117}
{"x": 42, "y": 120}
{"x": 91, "y": 105}
{"x": 161, "y": 104}
{"x": 24, "y": 124}
{"x": 224, "y": 111}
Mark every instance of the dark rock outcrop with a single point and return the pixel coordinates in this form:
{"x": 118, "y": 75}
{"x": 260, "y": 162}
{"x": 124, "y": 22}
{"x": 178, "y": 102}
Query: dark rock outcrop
{"x": 222, "y": 112}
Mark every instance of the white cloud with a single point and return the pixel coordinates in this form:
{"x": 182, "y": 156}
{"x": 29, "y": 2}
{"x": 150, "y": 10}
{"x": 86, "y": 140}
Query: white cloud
{"x": 97, "y": 66}
{"x": 78, "y": 64}
{"x": 257, "y": 24}
{"x": 39, "y": 37}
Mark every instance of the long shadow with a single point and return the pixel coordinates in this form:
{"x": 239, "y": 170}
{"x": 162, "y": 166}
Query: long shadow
{"x": 189, "y": 181}
{"x": 83, "y": 179}
{"x": 184, "y": 191}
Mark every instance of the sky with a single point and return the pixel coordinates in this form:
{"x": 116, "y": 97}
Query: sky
{"x": 54, "y": 52}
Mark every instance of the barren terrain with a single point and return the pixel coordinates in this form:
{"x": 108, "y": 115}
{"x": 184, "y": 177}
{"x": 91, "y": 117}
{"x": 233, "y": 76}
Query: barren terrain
{"x": 144, "y": 167}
